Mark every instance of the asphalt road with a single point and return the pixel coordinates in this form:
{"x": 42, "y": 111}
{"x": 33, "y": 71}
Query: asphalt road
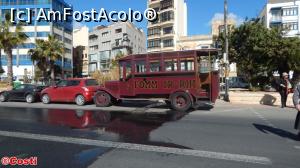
{"x": 147, "y": 136}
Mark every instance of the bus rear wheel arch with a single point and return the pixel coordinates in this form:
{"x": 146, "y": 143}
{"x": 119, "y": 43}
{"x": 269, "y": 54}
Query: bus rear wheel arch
{"x": 181, "y": 101}
{"x": 103, "y": 99}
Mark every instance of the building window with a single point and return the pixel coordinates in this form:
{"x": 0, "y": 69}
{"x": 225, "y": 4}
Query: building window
{"x": 93, "y": 37}
{"x": 105, "y": 34}
{"x": 166, "y": 4}
{"x": 66, "y": 40}
{"x": 118, "y": 30}
{"x": 290, "y": 11}
{"x": 42, "y": 34}
{"x": 168, "y": 30}
{"x": 168, "y": 43}
{"x": 154, "y": 43}
{"x": 30, "y": 34}
{"x": 105, "y": 55}
{"x": 58, "y": 37}
{"x": 68, "y": 31}
{"x": 167, "y": 16}
{"x": 93, "y": 48}
{"x": 67, "y": 50}
{"x": 26, "y": 45}
{"x": 290, "y": 26}
{"x": 106, "y": 43}
{"x": 92, "y": 67}
{"x": 153, "y": 31}
{"x": 93, "y": 57}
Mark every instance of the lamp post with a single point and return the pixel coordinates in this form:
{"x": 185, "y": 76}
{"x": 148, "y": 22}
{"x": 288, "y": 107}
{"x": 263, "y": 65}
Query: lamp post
{"x": 226, "y": 60}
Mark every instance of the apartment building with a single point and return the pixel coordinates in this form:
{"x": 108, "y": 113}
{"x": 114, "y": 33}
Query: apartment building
{"x": 171, "y": 24}
{"x": 105, "y": 42}
{"x": 218, "y": 26}
{"x": 22, "y": 63}
{"x": 80, "y": 51}
{"x": 194, "y": 42}
{"x": 283, "y": 13}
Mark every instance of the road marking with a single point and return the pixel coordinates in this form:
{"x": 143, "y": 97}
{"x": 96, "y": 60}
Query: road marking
{"x": 138, "y": 147}
{"x": 297, "y": 147}
{"x": 260, "y": 116}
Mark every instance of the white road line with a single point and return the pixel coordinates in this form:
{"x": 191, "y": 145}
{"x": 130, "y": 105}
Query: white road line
{"x": 297, "y": 147}
{"x": 260, "y": 116}
{"x": 138, "y": 147}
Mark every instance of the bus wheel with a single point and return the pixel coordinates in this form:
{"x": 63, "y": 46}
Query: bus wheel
{"x": 181, "y": 101}
{"x": 102, "y": 99}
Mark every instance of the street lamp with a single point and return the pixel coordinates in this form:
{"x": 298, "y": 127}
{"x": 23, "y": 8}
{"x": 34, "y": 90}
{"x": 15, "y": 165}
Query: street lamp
{"x": 226, "y": 60}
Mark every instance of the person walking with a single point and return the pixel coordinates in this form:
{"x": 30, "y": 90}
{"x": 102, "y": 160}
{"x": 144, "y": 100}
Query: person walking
{"x": 284, "y": 88}
{"x": 296, "y": 101}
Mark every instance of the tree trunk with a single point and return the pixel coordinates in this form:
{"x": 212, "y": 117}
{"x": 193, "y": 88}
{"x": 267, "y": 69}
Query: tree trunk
{"x": 1, "y": 68}
{"x": 52, "y": 73}
{"x": 9, "y": 67}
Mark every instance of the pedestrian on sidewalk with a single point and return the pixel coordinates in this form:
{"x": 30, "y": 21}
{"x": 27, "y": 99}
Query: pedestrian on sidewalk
{"x": 296, "y": 101}
{"x": 284, "y": 88}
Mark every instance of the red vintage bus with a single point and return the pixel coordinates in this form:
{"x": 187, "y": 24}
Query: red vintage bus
{"x": 182, "y": 78}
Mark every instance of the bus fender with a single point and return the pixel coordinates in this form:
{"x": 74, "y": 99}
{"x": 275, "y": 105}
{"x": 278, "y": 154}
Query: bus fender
{"x": 113, "y": 95}
{"x": 185, "y": 91}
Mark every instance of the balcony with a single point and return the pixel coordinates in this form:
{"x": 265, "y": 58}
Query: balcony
{"x": 153, "y": 2}
{"x": 168, "y": 35}
{"x": 167, "y": 22}
{"x": 119, "y": 45}
{"x": 276, "y": 19}
{"x": 154, "y": 36}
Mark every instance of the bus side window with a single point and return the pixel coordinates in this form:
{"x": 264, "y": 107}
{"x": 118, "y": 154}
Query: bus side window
{"x": 140, "y": 66}
{"x": 170, "y": 65}
{"x": 204, "y": 65}
{"x": 121, "y": 71}
{"x": 187, "y": 64}
{"x": 128, "y": 69}
{"x": 154, "y": 66}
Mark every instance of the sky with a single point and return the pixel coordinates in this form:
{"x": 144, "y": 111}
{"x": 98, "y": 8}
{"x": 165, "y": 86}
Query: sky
{"x": 200, "y": 12}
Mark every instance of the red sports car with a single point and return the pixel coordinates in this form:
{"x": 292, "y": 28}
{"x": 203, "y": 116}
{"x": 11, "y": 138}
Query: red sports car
{"x": 75, "y": 90}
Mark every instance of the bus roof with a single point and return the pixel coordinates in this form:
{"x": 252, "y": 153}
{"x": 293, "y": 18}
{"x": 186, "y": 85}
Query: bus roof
{"x": 184, "y": 53}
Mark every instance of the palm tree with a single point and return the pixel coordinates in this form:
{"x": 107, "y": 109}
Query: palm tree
{"x": 54, "y": 51}
{"x": 10, "y": 37}
{"x": 1, "y": 68}
{"x": 38, "y": 58}
{"x": 47, "y": 53}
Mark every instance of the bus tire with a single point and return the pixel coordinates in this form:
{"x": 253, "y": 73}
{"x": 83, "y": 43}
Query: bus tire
{"x": 102, "y": 99}
{"x": 181, "y": 101}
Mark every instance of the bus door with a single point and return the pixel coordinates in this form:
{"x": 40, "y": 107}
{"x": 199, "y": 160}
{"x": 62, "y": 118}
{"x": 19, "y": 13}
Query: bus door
{"x": 204, "y": 66}
{"x": 126, "y": 79}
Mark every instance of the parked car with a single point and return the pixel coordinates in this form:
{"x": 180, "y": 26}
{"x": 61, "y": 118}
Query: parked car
{"x": 238, "y": 82}
{"x": 23, "y": 92}
{"x": 76, "y": 90}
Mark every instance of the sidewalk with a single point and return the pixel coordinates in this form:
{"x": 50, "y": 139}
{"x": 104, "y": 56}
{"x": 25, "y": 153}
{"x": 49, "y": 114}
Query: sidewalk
{"x": 263, "y": 98}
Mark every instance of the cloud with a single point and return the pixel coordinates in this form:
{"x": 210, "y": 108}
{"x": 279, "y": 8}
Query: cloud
{"x": 220, "y": 16}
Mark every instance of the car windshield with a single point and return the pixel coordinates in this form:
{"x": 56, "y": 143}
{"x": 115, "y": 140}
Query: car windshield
{"x": 91, "y": 82}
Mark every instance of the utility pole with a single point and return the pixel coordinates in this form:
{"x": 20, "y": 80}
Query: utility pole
{"x": 226, "y": 59}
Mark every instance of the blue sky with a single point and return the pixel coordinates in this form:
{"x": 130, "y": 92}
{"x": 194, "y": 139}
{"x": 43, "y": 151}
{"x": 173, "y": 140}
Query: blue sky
{"x": 200, "y": 12}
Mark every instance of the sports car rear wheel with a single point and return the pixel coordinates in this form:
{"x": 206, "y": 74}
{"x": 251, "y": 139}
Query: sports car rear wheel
{"x": 3, "y": 97}
{"x": 29, "y": 98}
{"x": 46, "y": 99}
